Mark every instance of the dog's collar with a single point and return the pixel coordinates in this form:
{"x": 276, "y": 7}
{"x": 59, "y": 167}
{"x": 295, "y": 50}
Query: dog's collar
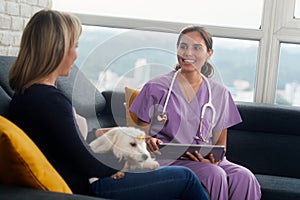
{"x": 141, "y": 138}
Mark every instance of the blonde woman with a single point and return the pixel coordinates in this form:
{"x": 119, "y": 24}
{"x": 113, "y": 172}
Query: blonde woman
{"x": 47, "y": 51}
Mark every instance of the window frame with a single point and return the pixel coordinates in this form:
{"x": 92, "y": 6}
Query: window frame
{"x": 278, "y": 25}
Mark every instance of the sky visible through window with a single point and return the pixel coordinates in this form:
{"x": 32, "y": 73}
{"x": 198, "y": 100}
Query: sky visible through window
{"x": 231, "y": 13}
{"x": 297, "y": 9}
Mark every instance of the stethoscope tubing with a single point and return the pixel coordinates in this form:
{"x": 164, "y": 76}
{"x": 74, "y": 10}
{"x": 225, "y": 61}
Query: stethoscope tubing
{"x": 204, "y": 107}
{"x": 169, "y": 92}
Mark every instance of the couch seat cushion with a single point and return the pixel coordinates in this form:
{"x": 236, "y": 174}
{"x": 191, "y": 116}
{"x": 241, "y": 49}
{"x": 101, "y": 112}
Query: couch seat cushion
{"x": 279, "y": 188}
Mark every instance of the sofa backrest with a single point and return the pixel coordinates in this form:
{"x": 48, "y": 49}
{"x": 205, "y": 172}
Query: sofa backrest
{"x": 6, "y": 92}
{"x": 4, "y": 102}
{"x": 86, "y": 99}
{"x": 268, "y": 139}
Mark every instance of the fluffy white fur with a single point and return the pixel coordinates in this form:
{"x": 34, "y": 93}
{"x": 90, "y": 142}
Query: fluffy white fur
{"x": 126, "y": 143}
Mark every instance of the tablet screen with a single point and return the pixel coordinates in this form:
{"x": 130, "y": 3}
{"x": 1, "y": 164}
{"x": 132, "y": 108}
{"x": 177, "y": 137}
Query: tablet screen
{"x": 175, "y": 151}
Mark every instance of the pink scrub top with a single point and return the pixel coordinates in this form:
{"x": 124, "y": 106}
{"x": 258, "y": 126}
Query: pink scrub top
{"x": 183, "y": 122}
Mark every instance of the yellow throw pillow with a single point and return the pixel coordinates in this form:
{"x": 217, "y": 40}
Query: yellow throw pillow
{"x": 130, "y": 94}
{"x": 23, "y": 164}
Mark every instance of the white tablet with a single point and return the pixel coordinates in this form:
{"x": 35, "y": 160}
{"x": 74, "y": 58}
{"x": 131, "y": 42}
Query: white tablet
{"x": 174, "y": 151}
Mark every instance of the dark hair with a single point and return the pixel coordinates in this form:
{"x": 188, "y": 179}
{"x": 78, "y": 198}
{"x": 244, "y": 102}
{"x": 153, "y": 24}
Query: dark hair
{"x": 207, "y": 69}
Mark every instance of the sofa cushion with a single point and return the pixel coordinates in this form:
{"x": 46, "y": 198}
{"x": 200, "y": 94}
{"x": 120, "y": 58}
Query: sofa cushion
{"x": 23, "y": 164}
{"x": 130, "y": 94}
{"x": 279, "y": 188}
{"x": 114, "y": 113}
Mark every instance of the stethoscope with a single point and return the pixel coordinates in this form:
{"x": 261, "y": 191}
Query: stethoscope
{"x": 163, "y": 116}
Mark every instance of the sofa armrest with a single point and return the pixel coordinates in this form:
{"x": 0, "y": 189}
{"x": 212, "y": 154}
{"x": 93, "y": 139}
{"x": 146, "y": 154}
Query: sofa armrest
{"x": 266, "y": 140}
{"x": 16, "y": 193}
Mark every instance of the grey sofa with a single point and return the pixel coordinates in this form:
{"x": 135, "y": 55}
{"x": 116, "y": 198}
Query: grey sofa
{"x": 267, "y": 142}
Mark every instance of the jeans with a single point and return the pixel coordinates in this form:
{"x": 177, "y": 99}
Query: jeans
{"x": 171, "y": 182}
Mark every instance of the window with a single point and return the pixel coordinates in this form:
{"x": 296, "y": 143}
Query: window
{"x": 113, "y": 58}
{"x": 232, "y": 13}
{"x": 235, "y": 61}
{"x": 288, "y": 86}
{"x": 259, "y": 31}
{"x": 297, "y": 9}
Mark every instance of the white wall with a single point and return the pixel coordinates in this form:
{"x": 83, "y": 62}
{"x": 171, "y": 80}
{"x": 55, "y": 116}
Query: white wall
{"x": 14, "y": 14}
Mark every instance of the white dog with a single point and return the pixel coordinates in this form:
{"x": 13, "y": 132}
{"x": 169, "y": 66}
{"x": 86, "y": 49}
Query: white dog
{"x": 126, "y": 143}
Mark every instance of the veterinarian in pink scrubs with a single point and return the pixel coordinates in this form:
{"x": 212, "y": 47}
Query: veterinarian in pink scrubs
{"x": 179, "y": 121}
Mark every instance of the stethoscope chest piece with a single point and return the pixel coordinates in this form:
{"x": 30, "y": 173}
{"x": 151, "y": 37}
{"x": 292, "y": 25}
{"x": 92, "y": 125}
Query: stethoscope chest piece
{"x": 162, "y": 117}
{"x": 197, "y": 138}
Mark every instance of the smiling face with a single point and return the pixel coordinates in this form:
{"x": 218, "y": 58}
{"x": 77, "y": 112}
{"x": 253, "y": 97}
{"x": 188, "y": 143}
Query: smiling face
{"x": 192, "y": 52}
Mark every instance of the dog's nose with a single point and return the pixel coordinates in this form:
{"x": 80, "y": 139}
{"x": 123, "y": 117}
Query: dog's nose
{"x": 145, "y": 157}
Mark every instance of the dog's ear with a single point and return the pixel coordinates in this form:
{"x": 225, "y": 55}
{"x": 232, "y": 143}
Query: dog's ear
{"x": 106, "y": 141}
{"x": 116, "y": 138}
{"x": 101, "y": 144}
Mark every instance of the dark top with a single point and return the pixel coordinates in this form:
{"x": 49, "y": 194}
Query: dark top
{"x": 46, "y": 116}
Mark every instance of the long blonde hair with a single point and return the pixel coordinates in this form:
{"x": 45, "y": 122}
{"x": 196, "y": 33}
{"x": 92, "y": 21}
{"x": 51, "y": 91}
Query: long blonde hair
{"x": 45, "y": 41}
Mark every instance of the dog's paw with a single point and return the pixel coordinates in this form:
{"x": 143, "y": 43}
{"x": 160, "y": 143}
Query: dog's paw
{"x": 118, "y": 175}
{"x": 150, "y": 164}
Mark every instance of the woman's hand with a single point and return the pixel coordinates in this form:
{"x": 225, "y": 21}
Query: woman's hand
{"x": 101, "y": 131}
{"x": 196, "y": 156}
{"x": 152, "y": 144}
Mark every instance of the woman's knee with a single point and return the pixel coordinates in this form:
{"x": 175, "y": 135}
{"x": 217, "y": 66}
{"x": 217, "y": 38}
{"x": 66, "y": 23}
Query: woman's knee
{"x": 185, "y": 181}
{"x": 219, "y": 173}
{"x": 245, "y": 174}
{"x": 179, "y": 172}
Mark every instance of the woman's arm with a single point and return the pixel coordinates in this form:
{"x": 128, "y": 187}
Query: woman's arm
{"x": 152, "y": 143}
{"x": 144, "y": 126}
{"x": 220, "y": 138}
{"x": 67, "y": 144}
